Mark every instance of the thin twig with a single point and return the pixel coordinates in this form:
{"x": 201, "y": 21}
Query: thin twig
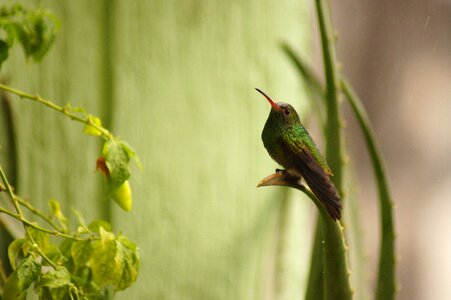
{"x": 37, "y": 212}
{"x": 63, "y": 109}
{"x": 19, "y": 215}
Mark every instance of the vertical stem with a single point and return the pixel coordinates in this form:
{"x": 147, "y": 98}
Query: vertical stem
{"x": 333, "y": 126}
{"x": 107, "y": 93}
{"x": 386, "y": 282}
{"x": 315, "y": 281}
{"x": 21, "y": 216}
{"x": 335, "y": 270}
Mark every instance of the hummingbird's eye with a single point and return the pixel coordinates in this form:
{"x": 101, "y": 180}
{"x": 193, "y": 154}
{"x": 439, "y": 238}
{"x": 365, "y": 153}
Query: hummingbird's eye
{"x": 287, "y": 111}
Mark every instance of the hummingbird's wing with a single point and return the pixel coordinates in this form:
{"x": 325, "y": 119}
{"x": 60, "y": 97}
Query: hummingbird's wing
{"x": 316, "y": 176}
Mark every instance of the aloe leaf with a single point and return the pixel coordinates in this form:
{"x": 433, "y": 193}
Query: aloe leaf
{"x": 386, "y": 280}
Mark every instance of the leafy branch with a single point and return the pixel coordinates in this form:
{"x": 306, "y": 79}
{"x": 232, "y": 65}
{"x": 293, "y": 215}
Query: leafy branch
{"x": 17, "y": 201}
{"x": 114, "y": 162}
{"x": 92, "y": 259}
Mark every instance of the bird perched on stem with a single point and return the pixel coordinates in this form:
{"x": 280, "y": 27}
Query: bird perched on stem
{"x": 290, "y": 145}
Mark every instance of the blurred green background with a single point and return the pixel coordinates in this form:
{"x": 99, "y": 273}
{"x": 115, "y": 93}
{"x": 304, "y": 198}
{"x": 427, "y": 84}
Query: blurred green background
{"x": 176, "y": 80}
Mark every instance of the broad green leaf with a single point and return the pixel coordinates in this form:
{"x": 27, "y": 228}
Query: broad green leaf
{"x": 66, "y": 247}
{"x": 117, "y": 162}
{"x": 46, "y": 293}
{"x": 61, "y": 293}
{"x": 14, "y": 250}
{"x": 81, "y": 252}
{"x": 55, "y": 284}
{"x": 41, "y": 238}
{"x": 28, "y": 271}
{"x": 55, "y": 278}
{"x": 130, "y": 264}
{"x": 106, "y": 260}
{"x": 54, "y": 254}
{"x": 19, "y": 281}
{"x": 127, "y": 243}
{"x": 91, "y": 130}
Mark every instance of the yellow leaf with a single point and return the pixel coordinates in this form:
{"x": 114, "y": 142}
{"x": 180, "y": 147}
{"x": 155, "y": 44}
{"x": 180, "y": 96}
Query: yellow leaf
{"x": 91, "y": 130}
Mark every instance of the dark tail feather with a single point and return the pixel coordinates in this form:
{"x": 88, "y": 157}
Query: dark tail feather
{"x": 325, "y": 191}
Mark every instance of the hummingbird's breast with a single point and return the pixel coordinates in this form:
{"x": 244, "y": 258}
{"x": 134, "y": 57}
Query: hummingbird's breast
{"x": 273, "y": 141}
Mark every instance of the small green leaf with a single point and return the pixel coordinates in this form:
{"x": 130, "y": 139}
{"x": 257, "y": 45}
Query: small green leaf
{"x": 81, "y": 252}
{"x": 131, "y": 153}
{"x": 96, "y": 224}
{"x": 41, "y": 238}
{"x": 91, "y": 130}
{"x": 106, "y": 236}
{"x": 79, "y": 217}
{"x": 14, "y": 250}
{"x": 54, "y": 206}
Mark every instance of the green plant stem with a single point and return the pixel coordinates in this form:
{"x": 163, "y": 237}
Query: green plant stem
{"x": 336, "y": 284}
{"x": 386, "y": 282}
{"x": 19, "y": 215}
{"x": 335, "y": 271}
{"x": 34, "y": 210}
{"x": 333, "y": 126}
{"x": 315, "y": 278}
{"x": 37, "y": 212}
{"x": 63, "y": 109}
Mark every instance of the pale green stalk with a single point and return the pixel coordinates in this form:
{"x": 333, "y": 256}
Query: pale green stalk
{"x": 63, "y": 109}
{"x": 386, "y": 281}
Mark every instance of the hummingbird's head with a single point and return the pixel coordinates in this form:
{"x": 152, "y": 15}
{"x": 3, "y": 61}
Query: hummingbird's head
{"x": 281, "y": 113}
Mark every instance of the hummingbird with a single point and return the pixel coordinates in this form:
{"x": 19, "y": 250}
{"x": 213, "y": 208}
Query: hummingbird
{"x": 290, "y": 145}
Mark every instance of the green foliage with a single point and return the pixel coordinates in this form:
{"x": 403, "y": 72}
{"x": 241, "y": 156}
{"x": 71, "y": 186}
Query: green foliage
{"x": 115, "y": 165}
{"x": 83, "y": 267}
{"x": 20, "y": 280}
{"x": 34, "y": 30}
{"x": 58, "y": 262}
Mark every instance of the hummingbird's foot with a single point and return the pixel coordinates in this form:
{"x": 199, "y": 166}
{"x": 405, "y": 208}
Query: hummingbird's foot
{"x": 279, "y": 170}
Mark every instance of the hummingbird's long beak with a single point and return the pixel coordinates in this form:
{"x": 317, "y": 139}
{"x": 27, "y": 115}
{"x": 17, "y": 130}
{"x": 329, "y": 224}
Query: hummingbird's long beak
{"x": 273, "y": 104}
